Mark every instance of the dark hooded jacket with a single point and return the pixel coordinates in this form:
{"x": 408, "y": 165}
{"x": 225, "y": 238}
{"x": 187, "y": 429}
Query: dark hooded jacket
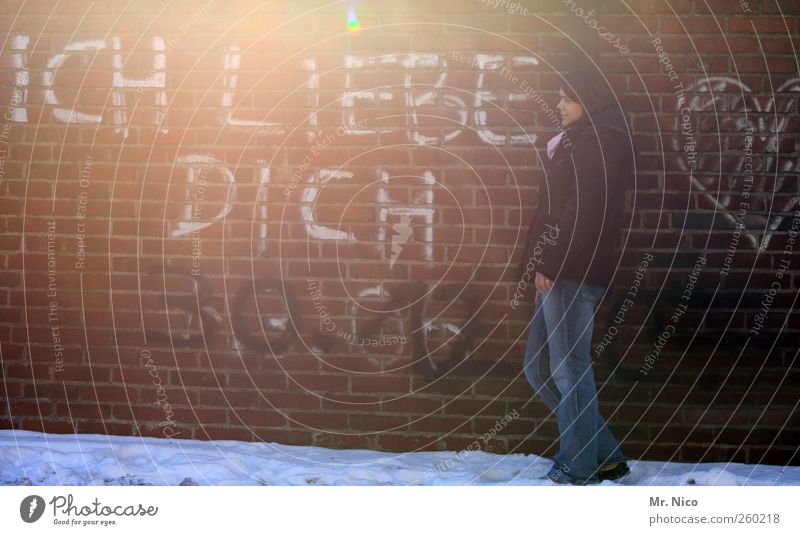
{"x": 577, "y": 224}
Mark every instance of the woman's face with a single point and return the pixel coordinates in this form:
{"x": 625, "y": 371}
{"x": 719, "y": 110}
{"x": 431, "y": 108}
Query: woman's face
{"x": 570, "y": 110}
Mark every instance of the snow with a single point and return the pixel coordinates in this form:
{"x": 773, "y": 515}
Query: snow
{"x": 31, "y": 458}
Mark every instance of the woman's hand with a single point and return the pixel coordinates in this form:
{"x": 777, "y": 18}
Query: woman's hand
{"x": 542, "y": 283}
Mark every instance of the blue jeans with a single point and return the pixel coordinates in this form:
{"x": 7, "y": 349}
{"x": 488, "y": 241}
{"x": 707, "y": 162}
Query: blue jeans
{"x": 558, "y": 364}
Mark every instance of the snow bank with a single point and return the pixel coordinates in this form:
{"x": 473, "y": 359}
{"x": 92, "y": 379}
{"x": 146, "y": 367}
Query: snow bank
{"x": 31, "y": 458}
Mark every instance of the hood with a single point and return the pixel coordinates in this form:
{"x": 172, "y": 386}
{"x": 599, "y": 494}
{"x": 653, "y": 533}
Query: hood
{"x": 613, "y": 117}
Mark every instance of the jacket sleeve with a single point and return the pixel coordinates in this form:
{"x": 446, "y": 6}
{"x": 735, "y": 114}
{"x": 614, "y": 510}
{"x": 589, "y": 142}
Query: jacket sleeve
{"x": 596, "y": 160}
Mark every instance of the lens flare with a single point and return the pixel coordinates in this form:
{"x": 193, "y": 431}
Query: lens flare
{"x": 352, "y": 20}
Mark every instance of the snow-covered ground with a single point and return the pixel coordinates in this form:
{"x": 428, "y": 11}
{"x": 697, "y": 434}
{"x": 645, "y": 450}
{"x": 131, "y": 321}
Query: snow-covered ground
{"x": 30, "y": 458}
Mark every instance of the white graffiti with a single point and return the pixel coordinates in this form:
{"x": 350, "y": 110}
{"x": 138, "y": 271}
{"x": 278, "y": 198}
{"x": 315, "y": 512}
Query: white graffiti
{"x": 433, "y": 110}
{"x": 230, "y": 80}
{"x": 309, "y": 197}
{"x": 68, "y": 115}
{"x": 197, "y": 183}
{"x": 414, "y": 95}
{"x": 421, "y": 207}
{"x": 768, "y": 118}
{"x": 261, "y": 212}
{"x": 19, "y": 60}
{"x": 156, "y": 82}
{"x": 403, "y": 231}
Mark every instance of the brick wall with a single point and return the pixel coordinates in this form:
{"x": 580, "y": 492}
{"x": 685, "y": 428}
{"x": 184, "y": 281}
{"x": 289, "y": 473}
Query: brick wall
{"x": 295, "y": 222}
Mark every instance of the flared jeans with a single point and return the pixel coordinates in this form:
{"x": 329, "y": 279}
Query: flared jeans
{"x": 558, "y": 364}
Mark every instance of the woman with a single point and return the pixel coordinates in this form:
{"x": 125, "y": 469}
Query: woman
{"x": 571, "y": 248}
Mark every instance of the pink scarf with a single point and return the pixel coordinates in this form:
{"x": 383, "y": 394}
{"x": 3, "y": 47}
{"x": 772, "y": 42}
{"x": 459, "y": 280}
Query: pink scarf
{"x": 552, "y": 145}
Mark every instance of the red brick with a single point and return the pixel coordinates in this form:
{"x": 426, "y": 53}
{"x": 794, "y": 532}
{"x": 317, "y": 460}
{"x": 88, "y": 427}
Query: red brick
{"x": 484, "y": 194}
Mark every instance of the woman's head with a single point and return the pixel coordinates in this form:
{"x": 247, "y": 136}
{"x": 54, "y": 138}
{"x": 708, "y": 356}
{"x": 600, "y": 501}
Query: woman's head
{"x": 584, "y": 92}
